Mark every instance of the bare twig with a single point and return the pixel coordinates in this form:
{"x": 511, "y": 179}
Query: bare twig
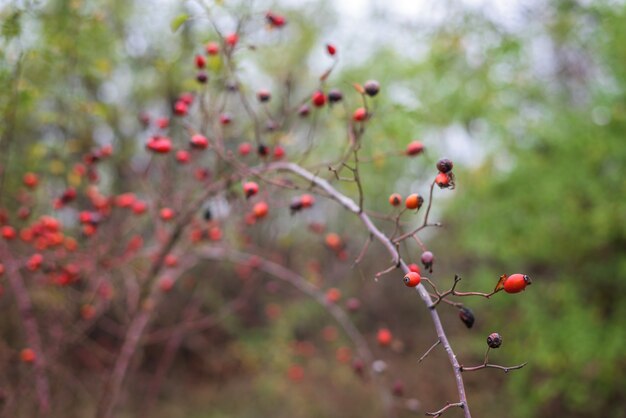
{"x": 429, "y": 350}
{"x": 445, "y": 408}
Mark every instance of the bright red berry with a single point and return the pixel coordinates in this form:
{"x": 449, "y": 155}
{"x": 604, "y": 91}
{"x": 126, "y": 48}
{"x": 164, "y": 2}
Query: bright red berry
{"x": 443, "y": 180}
{"x": 260, "y": 210}
{"x": 360, "y": 114}
{"x": 384, "y": 337}
{"x": 159, "y": 144}
{"x": 414, "y": 148}
{"x": 27, "y": 355}
{"x": 331, "y": 49}
{"x": 275, "y": 20}
{"x": 516, "y": 283}
{"x": 31, "y": 180}
{"x": 333, "y": 295}
{"x": 8, "y": 232}
{"x": 244, "y": 148}
{"x": 412, "y": 279}
{"x": 307, "y": 200}
{"x": 183, "y": 156}
{"x": 166, "y": 214}
{"x": 414, "y": 267}
{"x": 250, "y": 188}
{"x": 318, "y": 98}
{"x": 180, "y": 108}
{"x": 200, "y": 61}
{"x": 212, "y": 48}
{"x": 279, "y": 152}
{"x": 232, "y": 39}
{"x": 199, "y": 141}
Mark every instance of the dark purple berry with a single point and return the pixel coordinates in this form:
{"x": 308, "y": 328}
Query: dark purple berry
{"x": 372, "y": 87}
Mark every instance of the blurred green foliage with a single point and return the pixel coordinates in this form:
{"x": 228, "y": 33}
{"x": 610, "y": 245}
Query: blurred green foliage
{"x": 540, "y": 111}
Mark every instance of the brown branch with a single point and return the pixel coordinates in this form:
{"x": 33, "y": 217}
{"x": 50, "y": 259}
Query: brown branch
{"x": 429, "y": 350}
{"x": 445, "y": 408}
{"x": 351, "y": 206}
{"x": 31, "y": 331}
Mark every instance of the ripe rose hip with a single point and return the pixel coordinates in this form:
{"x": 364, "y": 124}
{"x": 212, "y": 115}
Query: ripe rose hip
{"x": 139, "y": 207}
{"x": 31, "y": 180}
{"x": 200, "y": 61}
{"x": 183, "y": 156}
{"x": 395, "y": 199}
{"x": 333, "y": 241}
{"x": 331, "y": 49}
{"x": 318, "y": 99}
{"x": 307, "y": 200}
{"x": 414, "y": 148}
{"x": 244, "y": 148}
{"x": 353, "y": 304}
{"x": 443, "y": 180}
{"x": 444, "y": 165}
{"x": 384, "y": 337}
{"x": 279, "y": 152}
{"x": 263, "y": 95}
{"x": 166, "y": 214}
{"x": 8, "y": 232}
{"x": 414, "y": 201}
{"x": 260, "y": 210}
{"x": 225, "y": 118}
{"x": 333, "y": 295}
{"x": 180, "y": 108}
{"x": 414, "y": 267}
{"x": 360, "y": 114}
{"x": 199, "y": 141}
{"x": 371, "y": 88}
{"x": 412, "y": 279}
{"x": 27, "y": 355}
{"x": 232, "y": 39}
{"x": 163, "y": 123}
{"x": 159, "y": 144}
{"x": 166, "y": 284}
{"x": 516, "y": 283}
{"x": 212, "y": 48}
{"x": 275, "y": 20}
{"x": 494, "y": 340}
{"x": 250, "y": 188}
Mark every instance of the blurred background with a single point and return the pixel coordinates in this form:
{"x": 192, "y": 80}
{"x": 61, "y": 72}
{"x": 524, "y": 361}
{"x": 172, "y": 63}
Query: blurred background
{"x": 528, "y": 98}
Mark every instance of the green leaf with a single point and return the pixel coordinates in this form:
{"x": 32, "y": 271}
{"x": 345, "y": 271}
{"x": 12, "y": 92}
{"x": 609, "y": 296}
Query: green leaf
{"x": 11, "y": 26}
{"x": 178, "y": 21}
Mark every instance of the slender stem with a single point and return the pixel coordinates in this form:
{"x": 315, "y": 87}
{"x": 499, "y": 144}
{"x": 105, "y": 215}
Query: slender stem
{"x": 350, "y": 205}
{"x": 429, "y": 350}
{"x": 445, "y": 408}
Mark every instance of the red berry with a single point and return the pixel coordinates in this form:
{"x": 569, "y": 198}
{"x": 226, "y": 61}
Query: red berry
{"x": 414, "y": 148}
{"x": 139, "y": 207}
{"x": 414, "y": 267}
{"x": 307, "y": 200}
{"x": 260, "y": 210}
{"x": 318, "y": 98}
{"x": 125, "y": 200}
{"x": 395, "y": 199}
{"x": 279, "y": 152}
{"x": 232, "y": 39}
{"x": 414, "y": 201}
{"x": 180, "y": 108}
{"x": 225, "y": 118}
{"x": 163, "y": 123}
{"x": 331, "y": 49}
{"x": 199, "y": 141}
{"x": 250, "y": 189}
{"x": 333, "y": 241}
{"x": 31, "y": 180}
{"x": 412, "y": 279}
{"x": 27, "y": 355}
{"x": 34, "y": 262}
{"x": 200, "y": 61}
{"x": 360, "y": 114}
{"x": 183, "y": 156}
{"x": 333, "y": 295}
{"x": 187, "y": 98}
{"x": 263, "y": 95}
{"x": 384, "y": 337}
{"x": 166, "y": 284}
{"x": 244, "y": 148}
{"x": 443, "y": 180}
{"x": 353, "y": 304}
{"x": 275, "y": 20}
{"x": 159, "y": 144}
{"x": 516, "y": 283}
{"x": 166, "y": 214}
{"x": 8, "y": 232}
{"x": 212, "y": 48}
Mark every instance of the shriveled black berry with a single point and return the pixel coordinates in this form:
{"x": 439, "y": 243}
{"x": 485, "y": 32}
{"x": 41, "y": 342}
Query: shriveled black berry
{"x": 467, "y": 316}
{"x": 207, "y": 214}
{"x": 444, "y": 165}
{"x": 334, "y": 96}
{"x": 263, "y": 150}
{"x": 494, "y": 340}
{"x": 372, "y": 87}
{"x": 202, "y": 77}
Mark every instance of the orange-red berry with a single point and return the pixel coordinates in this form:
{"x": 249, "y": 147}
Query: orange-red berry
{"x": 260, "y": 210}
{"x": 27, "y": 355}
{"x": 414, "y": 201}
{"x": 443, "y": 180}
{"x": 516, "y": 283}
{"x": 395, "y": 199}
{"x": 412, "y": 279}
{"x": 384, "y": 337}
{"x": 414, "y": 148}
{"x": 360, "y": 114}
{"x": 250, "y": 188}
